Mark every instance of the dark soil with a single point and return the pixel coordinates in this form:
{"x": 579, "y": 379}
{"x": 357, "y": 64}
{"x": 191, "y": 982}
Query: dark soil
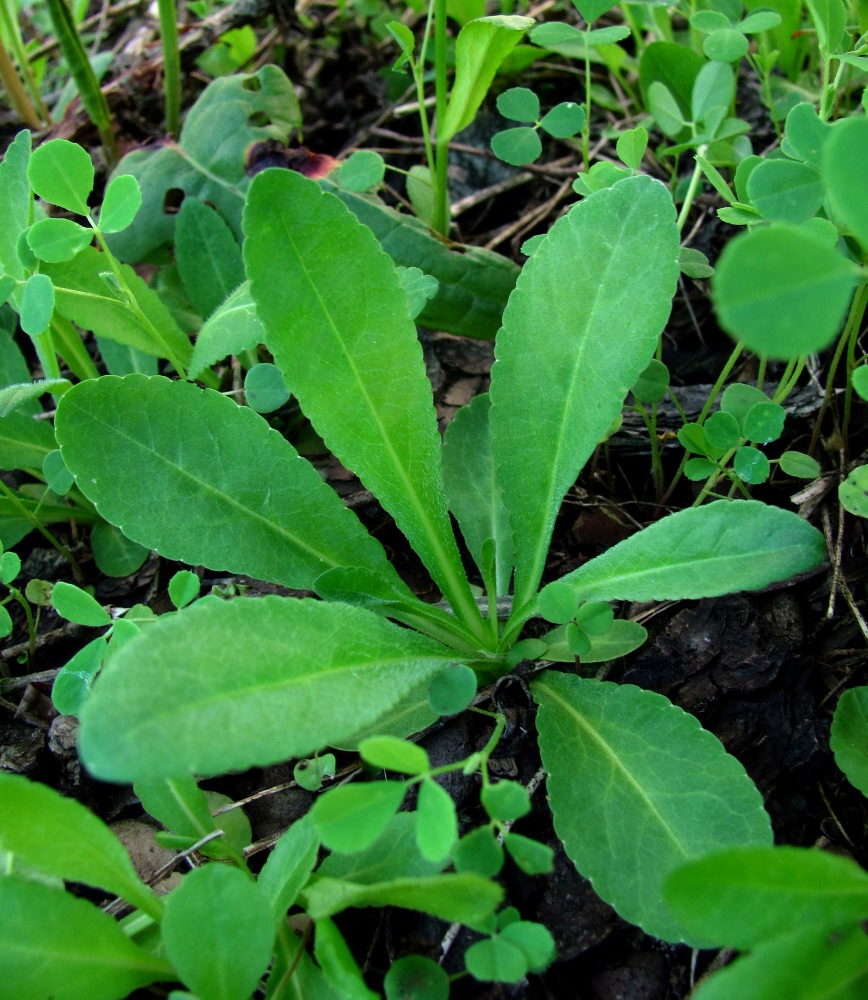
{"x": 762, "y": 671}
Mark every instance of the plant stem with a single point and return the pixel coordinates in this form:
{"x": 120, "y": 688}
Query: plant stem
{"x": 171, "y": 64}
{"x": 40, "y": 527}
{"x": 441, "y": 218}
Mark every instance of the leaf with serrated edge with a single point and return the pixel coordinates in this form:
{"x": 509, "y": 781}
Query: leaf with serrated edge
{"x": 590, "y": 303}
{"x": 247, "y": 683}
{"x": 720, "y": 548}
{"x": 215, "y": 485}
{"x": 337, "y": 324}
{"x": 655, "y": 788}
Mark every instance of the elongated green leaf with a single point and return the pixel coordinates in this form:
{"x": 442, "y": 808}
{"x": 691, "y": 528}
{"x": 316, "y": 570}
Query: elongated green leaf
{"x": 61, "y": 837}
{"x": 353, "y": 817}
{"x": 232, "y": 328}
{"x": 58, "y": 239}
{"x": 121, "y": 202}
{"x": 218, "y": 932}
{"x": 179, "y": 804}
{"x": 54, "y": 945}
{"x": 24, "y": 442}
{"x": 337, "y": 324}
{"x": 284, "y": 677}
{"x": 480, "y": 48}
{"x": 703, "y": 552}
{"x": 802, "y": 965}
{"x": 339, "y": 967}
{"x": 655, "y": 788}
{"x": 849, "y": 736}
{"x": 741, "y": 897}
{"x": 207, "y": 254}
{"x": 288, "y": 866}
{"x": 83, "y": 296}
{"x": 473, "y": 490}
{"x": 588, "y": 307}
{"x": 16, "y": 397}
{"x": 18, "y": 204}
{"x": 468, "y": 899}
{"x": 188, "y": 472}
{"x": 843, "y": 156}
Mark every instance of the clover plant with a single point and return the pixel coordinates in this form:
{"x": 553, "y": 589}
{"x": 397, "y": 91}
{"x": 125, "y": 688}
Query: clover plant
{"x": 226, "y": 685}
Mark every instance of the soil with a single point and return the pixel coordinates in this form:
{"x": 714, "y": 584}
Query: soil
{"x": 762, "y": 671}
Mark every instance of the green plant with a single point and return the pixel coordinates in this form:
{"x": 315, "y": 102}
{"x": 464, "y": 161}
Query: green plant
{"x": 190, "y": 473}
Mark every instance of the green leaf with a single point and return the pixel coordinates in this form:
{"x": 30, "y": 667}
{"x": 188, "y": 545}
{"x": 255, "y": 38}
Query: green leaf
{"x": 505, "y": 800}
{"x": 534, "y": 940}
{"x": 595, "y": 617}
{"x": 207, "y": 254}
{"x": 612, "y": 250}
{"x": 517, "y": 146}
{"x": 480, "y": 48}
{"x": 392, "y": 754}
{"x": 532, "y": 857}
{"x": 83, "y": 296}
{"x": 557, "y": 604}
{"x": 622, "y": 638}
{"x": 61, "y": 173}
{"x": 55, "y": 945}
{"x": 218, "y": 932}
{"x": 843, "y": 158}
{"x": 302, "y": 674}
{"x": 73, "y": 683}
{"x": 60, "y": 837}
{"x": 564, "y": 120}
{"x": 653, "y": 384}
{"x": 18, "y": 204}
{"x": 365, "y": 169}
{"x": 55, "y": 240}
{"x": 203, "y": 464}
{"x": 782, "y": 290}
{"x": 37, "y": 304}
{"x": 416, "y": 977}
{"x": 114, "y": 553}
{"x": 232, "y": 328}
{"x": 473, "y": 491}
{"x": 853, "y": 492}
{"x": 179, "y": 804}
{"x": 436, "y": 821}
{"x": 406, "y": 42}
{"x": 311, "y": 773}
{"x": 496, "y": 960}
{"x": 452, "y": 689}
{"x": 802, "y": 965}
{"x": 829, "y": 18}
{"x": 849, "y": 736}
{"x": 264, "y": 388}
{"x": 785, "y": 191}
{"x": 805, "y": 134}
{"x": 799, "y": 465}
{"x": 744, "y": 896}
{"x": 15, "y": 397}
{"x": 739, "y": 399}
{"x": 665, "y": 110}
{"x": 714, "y": 88}
{"x": 352, "y": 817}
{"x": 631, "y": 146}
{"x": 592, "y": 9}
{"x": 76, "y": 605}
{"x": 10, "y": 567}
{"x": 726, "y": 45}
{"x": 764, "y": 422}
{"x": 24, "y": 442}
{"x": 57, "y": 476}
{"x": 395, "y": 854}
{"x": 121, "y": 203}
{"x": 339, "y": 330}
{"x": 622, "y": 762}
{"x": 183, "y": 588}
{"x": 722, "y": 431}
{"x": 478, "y": 852}
{"x": 467, "y": 898}
{"x": 703, "y": 552}
{"x": 288, "y": 867}
{"x": 518, "y": 104}
{"x": 751, "y": 465}
{"x": 337, "y": 963}
{"x": 420, "y": 191}
{"x": 859, "y": 379}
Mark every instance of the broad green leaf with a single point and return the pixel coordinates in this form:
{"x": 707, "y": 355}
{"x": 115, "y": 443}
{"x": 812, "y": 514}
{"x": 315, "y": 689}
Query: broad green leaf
{"x": 853, "y": 492}
{"x": 207, "y": 254}
{"x": 18, "y": 204}
{"x": 179, "y": 804}
{"x": 55, "y": 240}
{"x": 744, "y": 896}
{"x": 436, "y": 821}
{"x": 472, "y": 489}
{"x": 478, "y": 852}
{"x": 337, "y": 324}
{"x": 799, "y": 465}
{"x": 610, "y": 264}
{"x": 363, "y": 170}
{"x": 782, "y": 290}
{"x": 468, "y": 898}
{"x": 57, "y": 476}
{"x": 120, "y": 359}
{"x": 416, "y": 977}
{"x": 122, "y": 201}
{"x": 82, "y": 295}
{"x": 631, "y": 146}
{"x": 215, "y": 485}
{"x": 183, "y": 588}
{"x": 61, "y": 172}
{"x": 232, "y": 328}
{"x": 519, "y": 104}
{"x": 801, "y": 965}
{"x": 24, "y": 442}
{"x": 76, "y": 605}
{"x": 764, "y": 422}
{"x": 592, "y": 9}
{"x": 805, "y": 134}
{"x": 534, "y": 940}
{"x": 480, "y": 48}
{"x": 37, "y": 304}
{"x": 517, "y": 146}
{"x": 846, "y": 185}
{"x": 209, "y": 162}
{"x": 75, "y": 680}
{"x": 714, "y": 88}
{"x": 623, "y": 762}
{"x": 785, "y": 191}
{"x": 722, "y": 431}
{"x": 389, "y": 753}
{"x": 761, "y": 20}
{"x": 420, "y": 191}
{"x": 739, "y": 399}
{"x": 531, "y": 856}
{"x": 452, "y": 689}
{"x": 706, "y": 551}
{"x": 675, "y": 67}
{"x": 665, "y": 110}
{"x": 55, "y": 945}
{"x": 301, "y": 674}
{"x": 496, "y": 960}
{"x": 505, "y": 800}
{"x": 829, "y": 18}
{"x": 849, "y": 736}
{"x": 218, "y": 932}
{"x": 114, "y": 553}
{"x": 751, "y": 465}
{"x": 564, "y": 120}
{"x": 350, "y": 818}
{"x": 859, "y": 378}
{"x": 726, "y": 45}
{"x": 394, "y": 855}
{"x": 337, "y": 963}
{"x": 60, "y": 837}
{"x": 622, "y": 638}
{"x": 264, "y": 388}
{"x": 288, "y": 867}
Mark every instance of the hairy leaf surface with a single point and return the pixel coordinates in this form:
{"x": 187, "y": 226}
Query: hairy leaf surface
{"x": 337, "y": 324}
{"x": 587, "y": 310}
{"x": 227, "y": 686}
{"x": 720, "y": 548}
{"x": 637, "y": 788}
{"x": 188, "y": 472}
